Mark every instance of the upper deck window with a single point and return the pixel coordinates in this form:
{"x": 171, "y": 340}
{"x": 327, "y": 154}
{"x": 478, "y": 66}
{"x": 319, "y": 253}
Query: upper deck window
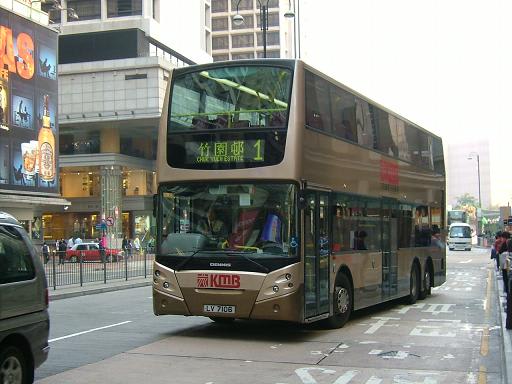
{"x": 230, "y": 97}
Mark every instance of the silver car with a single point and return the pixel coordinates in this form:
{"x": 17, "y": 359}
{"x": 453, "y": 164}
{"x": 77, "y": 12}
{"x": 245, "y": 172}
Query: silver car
{"x": 24, "y": 321}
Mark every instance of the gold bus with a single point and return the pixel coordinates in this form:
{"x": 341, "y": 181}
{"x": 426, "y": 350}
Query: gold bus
{"x": 285, "y": 195}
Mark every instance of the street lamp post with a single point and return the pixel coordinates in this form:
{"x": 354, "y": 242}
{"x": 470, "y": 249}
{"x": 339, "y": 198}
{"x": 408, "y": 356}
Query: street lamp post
{"x": 239, "y": 20}
{"x": 470, "y": 157}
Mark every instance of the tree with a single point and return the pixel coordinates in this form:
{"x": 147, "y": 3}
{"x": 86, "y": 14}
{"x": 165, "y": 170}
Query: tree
{"x": 466, "y": 200}
{"x": 468, "y": 204}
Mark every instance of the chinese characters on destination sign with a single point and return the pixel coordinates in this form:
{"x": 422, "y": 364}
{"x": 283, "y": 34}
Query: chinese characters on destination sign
{"x": 231, "y": 151}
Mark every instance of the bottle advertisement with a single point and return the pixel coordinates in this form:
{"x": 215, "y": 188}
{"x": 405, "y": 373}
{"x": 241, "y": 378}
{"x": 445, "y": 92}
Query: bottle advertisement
{"x": 28, "y": 105}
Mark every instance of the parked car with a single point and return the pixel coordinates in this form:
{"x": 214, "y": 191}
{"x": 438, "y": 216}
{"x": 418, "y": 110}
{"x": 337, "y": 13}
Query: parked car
{"x": 91, "y": 252}
{"x": 24, "y": 320}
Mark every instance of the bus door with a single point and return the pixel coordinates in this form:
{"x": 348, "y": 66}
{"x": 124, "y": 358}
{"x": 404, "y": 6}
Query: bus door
{"x": 389, "y": 247}
{"x": 316, "y": 254}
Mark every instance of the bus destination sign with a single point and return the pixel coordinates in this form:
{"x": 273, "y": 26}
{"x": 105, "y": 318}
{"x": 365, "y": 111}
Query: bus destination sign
{"x": 230, "y": 151}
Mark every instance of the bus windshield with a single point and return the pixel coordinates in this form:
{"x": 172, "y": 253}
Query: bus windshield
{"x": 230, "y": 97}
{"x": 256, "y": 219}
{"x": 460, "y": 231}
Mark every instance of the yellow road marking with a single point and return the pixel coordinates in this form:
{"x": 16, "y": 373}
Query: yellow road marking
{"x": 482, "y": 375}
{"x": 484, "y": 345}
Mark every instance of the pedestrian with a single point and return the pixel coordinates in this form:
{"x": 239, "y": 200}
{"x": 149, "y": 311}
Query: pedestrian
{"x": 504, "y": 259}
{"x": 136, "y": 244}
{"x": 130, "y": 248}
{"x": 102, "y": 249}
{"x": 46, "y": 252}
{"x": 70, "y": 243}
{"x": 124, "y": 245}
{"x": 78, "y": 240}
{"x": 496, "y": 249}
{"x": 62, "y": 251}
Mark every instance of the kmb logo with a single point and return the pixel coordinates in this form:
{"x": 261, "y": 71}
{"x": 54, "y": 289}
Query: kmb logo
{"x": 217, "y": 280}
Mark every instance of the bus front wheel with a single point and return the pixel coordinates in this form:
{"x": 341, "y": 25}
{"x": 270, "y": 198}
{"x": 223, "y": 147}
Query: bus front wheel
{"x": 342, "y": 302}
{"x": 414, "y": 285}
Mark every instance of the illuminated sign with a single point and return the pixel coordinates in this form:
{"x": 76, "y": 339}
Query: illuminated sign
{"x": 28, "y": 105}
{"x": 231, "y": 151}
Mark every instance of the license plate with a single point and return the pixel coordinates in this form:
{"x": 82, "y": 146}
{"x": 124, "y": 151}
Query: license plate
{"x": 214, "y": 308}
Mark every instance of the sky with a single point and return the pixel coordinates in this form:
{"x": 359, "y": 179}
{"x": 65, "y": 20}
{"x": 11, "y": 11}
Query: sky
{"x": 445, "y": 65}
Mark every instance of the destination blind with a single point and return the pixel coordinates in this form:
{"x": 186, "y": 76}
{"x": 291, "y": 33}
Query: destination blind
{"x": 229, "y": 151}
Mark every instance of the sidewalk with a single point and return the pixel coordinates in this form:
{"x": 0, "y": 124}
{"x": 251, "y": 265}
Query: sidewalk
{"x": 507, "y": 333}
{"x": 68, "y": 291}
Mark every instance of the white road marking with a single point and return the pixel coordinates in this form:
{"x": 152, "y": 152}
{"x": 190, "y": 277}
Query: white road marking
{"x": 89, "y": 331}
{"x": 466, "y": 262}
{"x": 380, "y": 323}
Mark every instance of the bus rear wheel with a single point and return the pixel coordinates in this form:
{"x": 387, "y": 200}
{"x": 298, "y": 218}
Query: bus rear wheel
{"x": 342, "y": 303}
{"x": 427, "y": 286}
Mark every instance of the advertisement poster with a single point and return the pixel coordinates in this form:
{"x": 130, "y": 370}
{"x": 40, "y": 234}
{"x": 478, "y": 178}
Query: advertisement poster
{"x": 28, "y": 105}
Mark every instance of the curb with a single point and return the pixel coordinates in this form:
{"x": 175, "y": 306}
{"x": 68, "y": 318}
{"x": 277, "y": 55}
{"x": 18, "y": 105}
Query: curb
{"x": 85, "y": 292}
{"x": 507, "y": 341}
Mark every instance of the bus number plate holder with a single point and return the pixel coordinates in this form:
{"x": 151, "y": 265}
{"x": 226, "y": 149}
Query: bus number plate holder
{"x": 214, "y": 308}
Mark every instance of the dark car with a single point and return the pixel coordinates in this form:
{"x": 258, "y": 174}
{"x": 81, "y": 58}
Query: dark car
{"x": 24, "y": 320}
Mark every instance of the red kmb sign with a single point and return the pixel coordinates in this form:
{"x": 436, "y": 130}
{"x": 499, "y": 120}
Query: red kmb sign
{"x": 389, "y": 172}
{"x": 218, "y": 280}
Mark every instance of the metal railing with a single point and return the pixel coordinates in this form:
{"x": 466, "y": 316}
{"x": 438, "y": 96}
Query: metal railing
{"x": 62, "y": 272}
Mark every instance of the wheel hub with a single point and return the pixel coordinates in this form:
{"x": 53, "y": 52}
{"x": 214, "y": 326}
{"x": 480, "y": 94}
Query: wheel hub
{"x": 343, "y": 300}
{"x": 11, "y": 371}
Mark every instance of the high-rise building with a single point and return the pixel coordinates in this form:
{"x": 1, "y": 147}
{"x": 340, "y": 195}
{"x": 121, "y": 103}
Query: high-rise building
{"x": 29, "y": 184}
{"x": 114, "y": 65}
{"x": 245, "y": 41}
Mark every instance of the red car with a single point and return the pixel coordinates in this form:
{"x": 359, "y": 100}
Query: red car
{"x": 91, "y": 252}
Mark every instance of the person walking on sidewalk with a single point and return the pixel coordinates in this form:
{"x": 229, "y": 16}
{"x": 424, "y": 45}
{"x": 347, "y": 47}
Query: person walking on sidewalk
{"x": 46, "y": 252}
{"x": 504, "y": 258}
{"x": 62, "y": 251}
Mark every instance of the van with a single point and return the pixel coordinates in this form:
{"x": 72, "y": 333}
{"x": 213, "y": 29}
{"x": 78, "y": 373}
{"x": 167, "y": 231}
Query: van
{"x": 24, "y": 320}
{"x": 459, "y": 237}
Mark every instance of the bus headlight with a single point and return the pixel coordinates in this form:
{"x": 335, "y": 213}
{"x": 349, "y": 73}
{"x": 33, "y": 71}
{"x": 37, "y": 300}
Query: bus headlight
{"x": 288, "y": 276}
{"x": 157, "y": 273}
{"x": 166, "y": 285}
{"x": 275, "y": 288}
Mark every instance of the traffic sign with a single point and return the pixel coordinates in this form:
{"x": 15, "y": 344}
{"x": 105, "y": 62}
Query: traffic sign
{"x": 109, "y": 221}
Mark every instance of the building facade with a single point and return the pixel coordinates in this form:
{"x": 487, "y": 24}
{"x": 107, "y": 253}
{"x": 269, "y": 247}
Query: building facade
{"x": 245, "y": 41}
{"x": 114, "y": 65}
{"x": 29, "y": 182}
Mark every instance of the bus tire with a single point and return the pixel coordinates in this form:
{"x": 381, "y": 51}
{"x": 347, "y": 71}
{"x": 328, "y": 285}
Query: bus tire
{"x": 222, "y": 320}
{"x": 342, "y": 302}
{"x": 427, "y": 286}
{"x": 414, "y": 285}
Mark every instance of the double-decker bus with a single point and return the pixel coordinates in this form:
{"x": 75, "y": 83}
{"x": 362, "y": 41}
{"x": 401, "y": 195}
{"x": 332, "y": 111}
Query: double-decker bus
{"x": 457, "y": 216}
{"x": 285, "y": 195}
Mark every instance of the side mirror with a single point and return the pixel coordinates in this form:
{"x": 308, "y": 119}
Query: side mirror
{"x": 155, "y": 205}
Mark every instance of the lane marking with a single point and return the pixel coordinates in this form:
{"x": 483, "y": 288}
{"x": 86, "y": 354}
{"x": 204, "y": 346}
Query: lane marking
{"x": 466, "y": 262}
{"x": 484, "y": 345}
{"x": 482, "y": 375}
{"x": 89, "y": 331}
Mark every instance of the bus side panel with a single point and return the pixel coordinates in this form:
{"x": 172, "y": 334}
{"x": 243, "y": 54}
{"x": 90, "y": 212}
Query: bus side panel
{"x": 366, "y": 274}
